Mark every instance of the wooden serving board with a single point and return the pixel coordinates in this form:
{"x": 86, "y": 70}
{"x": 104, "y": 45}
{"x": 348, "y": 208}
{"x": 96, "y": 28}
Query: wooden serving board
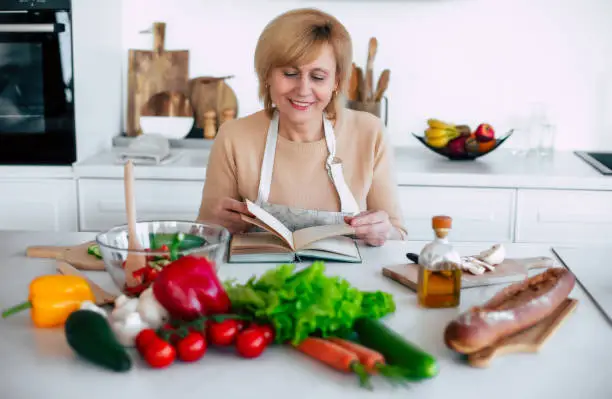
{"x": 151, "y": 72}
{"x": 75, "y": 255}
{"x": 529, "y": 340}
{"x": 509, "y": 271}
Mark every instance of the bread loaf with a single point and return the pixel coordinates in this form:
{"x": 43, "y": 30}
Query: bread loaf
{"x": 514, "y": 308}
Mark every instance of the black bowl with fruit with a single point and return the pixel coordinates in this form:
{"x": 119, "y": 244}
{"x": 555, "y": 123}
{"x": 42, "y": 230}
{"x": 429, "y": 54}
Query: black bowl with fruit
{"x": 459, "y": 142}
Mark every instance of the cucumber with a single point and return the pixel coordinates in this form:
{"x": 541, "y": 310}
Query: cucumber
{"x": 90, "y": 335}
{"x": 187, "y": 241}
{"x": 94, "y": 250}
{"x": 417, "y": 363}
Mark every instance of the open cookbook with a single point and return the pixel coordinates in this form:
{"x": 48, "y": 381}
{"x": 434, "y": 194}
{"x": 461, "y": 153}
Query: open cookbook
{"x": 279, "y": 244}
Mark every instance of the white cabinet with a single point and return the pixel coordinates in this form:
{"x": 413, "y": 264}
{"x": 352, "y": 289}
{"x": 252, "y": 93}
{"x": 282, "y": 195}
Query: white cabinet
{"x": 479, "y": 214}
{"x": 564, "y": 216}
{"x": 102, "y": 201}
{"x": 38, "y": 204}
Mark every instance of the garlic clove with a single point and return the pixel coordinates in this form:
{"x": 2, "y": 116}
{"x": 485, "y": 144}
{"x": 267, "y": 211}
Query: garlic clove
{"x": 122, "y": 311}
{"x": 494, "y": 255}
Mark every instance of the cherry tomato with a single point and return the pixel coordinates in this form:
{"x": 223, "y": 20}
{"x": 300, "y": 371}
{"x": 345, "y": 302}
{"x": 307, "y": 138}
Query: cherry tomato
{"x": 151, "y": 274}
{"x": 144, "y": 338}
{"x": 242, "y": 324}
{"x": 268, "y": 332}
{"x": 192, "y": 347}
{"x": 251, "y": 342}
{"x": 159, "y": 354}
{"x": 222, "y": 333}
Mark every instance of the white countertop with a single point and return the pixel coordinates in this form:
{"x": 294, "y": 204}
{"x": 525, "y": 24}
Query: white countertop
{"x": 414, "y": 166}
{"x": 574, "y": 362}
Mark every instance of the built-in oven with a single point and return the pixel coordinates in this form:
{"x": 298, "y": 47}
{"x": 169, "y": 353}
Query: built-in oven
{"x": 37, "y": 124}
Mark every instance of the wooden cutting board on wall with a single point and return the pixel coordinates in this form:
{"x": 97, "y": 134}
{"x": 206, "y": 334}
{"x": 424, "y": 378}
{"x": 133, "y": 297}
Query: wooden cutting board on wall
{"x": 151, "y": 72}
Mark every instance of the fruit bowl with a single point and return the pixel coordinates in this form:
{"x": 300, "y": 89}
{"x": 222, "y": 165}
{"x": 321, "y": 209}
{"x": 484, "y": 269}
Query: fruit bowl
{"x": 160, "y": 240}
{"x": 459, "y": 142}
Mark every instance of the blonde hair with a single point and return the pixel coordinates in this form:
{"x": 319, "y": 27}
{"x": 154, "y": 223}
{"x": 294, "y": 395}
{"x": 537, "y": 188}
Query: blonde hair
{"x": 296, "y": 38}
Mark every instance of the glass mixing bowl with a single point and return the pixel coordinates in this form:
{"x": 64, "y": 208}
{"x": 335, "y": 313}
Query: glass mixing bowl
{"x": 156, "y": 238}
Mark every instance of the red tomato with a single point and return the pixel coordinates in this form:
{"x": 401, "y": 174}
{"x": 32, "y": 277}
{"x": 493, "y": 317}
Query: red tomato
{"x": 144, "y": 338}
{"x": 192, "y": 347}
{"x": 150, "y": 274}
{"x": 159, "y": 354}
{"x": 222, "y": 333}
{"x": 251, "y": 342}
{"x": 242, "y": 324}
{"x": 268, "y": 332}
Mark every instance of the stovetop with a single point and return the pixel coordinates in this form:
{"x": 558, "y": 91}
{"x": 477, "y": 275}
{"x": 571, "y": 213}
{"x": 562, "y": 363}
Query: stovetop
{"x": 602, "y": 161}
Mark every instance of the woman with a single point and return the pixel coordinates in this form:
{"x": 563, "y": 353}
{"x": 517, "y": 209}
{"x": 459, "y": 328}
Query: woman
{"x": 304, "y": 158}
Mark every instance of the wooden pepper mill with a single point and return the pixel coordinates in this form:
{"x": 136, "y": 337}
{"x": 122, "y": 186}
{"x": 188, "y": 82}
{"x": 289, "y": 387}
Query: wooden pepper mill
{"x": 226, "y": 115}
{"x": 210, "y": 124}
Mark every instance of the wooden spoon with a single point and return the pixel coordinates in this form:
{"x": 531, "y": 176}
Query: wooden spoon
{"x": 369, "y": 78}
{"x": 383, "y": 83}
{"x": 134, "y": 260}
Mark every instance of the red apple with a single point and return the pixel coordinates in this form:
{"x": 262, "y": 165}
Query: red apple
{"x": 457, "y": 146}
{"x": 484, "y": 132}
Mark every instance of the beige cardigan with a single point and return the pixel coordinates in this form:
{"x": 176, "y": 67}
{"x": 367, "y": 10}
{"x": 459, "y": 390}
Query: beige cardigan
{"x": 299, "y": 177}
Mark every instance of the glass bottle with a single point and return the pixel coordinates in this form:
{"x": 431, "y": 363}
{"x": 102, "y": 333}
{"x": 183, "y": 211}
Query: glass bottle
{"x": 439, "y": 283}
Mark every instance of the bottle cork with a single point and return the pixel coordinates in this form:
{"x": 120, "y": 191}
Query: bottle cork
{"x": 210, "y": 124}
{"x": 441, "y": 225}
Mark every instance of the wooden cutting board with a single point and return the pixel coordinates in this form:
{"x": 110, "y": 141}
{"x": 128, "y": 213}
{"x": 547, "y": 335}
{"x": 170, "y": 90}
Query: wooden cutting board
{"x": 151, "y": 72}
{"x": 529, "y": 340}
{"x": 101, "y": 296}
{"x": 509, "y": 271}
{"x": 75, "y": 255}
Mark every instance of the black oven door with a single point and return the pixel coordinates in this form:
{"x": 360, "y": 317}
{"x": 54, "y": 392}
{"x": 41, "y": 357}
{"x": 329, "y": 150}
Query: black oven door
{"x": 37, "y": 125}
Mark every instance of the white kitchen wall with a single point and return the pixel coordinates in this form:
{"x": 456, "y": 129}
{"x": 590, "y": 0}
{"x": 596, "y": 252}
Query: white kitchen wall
{"x": 460, "y": 60}
{"x": 98, "y": 57}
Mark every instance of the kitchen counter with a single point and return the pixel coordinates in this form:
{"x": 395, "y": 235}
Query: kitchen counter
{"x": 415, "y": 166}
{"x": 574, "y": 363}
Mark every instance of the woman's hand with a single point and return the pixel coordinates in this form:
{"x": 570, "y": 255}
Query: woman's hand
{"x": 373, "y": 227}
{"x": 227, "y": 213}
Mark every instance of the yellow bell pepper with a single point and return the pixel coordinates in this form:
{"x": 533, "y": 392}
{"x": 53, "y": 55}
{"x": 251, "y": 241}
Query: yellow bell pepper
{"x": 52, "y": 298}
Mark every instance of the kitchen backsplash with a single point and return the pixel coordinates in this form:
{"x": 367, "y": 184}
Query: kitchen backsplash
{"x": 458, "y": 60}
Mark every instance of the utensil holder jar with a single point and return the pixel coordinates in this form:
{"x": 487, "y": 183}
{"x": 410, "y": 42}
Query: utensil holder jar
{"x": 375, "y": 108}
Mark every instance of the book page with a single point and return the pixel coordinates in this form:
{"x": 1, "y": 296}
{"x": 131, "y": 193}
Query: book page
{"x": 303, "y": 237}
{"x": 258, "y": 242}
{"x": 338, "y": 244}
{"x": 271, "y": 222}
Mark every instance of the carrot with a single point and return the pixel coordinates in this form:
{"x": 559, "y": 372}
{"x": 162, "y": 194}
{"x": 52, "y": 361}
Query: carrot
{"x": 368, "y": 357}
{"x": 373, "y": 361}
{"x": 334, "y": 356}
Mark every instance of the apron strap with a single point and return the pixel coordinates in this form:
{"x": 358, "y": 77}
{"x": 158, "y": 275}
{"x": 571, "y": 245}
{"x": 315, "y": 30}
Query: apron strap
{"x": 267, "y": 163}
{"x": 347, "y": 200}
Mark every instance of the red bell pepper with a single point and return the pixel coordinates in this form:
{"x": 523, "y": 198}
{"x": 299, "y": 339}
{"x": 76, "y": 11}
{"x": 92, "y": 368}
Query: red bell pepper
{"x": 189, "y": 288}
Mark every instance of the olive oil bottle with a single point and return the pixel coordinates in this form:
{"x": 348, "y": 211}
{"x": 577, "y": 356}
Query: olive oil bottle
{"x": 439, "y": 283}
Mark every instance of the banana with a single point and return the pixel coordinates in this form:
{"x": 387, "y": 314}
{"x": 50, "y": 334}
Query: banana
{"x": 437, "y": 142}
{"x": 435, "y": 133}
{"x": 438, "y": 124}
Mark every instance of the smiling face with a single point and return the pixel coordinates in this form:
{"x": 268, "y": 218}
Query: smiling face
{"x": 302, "y": 92}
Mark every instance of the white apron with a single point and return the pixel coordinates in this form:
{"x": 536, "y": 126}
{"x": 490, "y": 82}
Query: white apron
{"x": 296, "y": 218}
